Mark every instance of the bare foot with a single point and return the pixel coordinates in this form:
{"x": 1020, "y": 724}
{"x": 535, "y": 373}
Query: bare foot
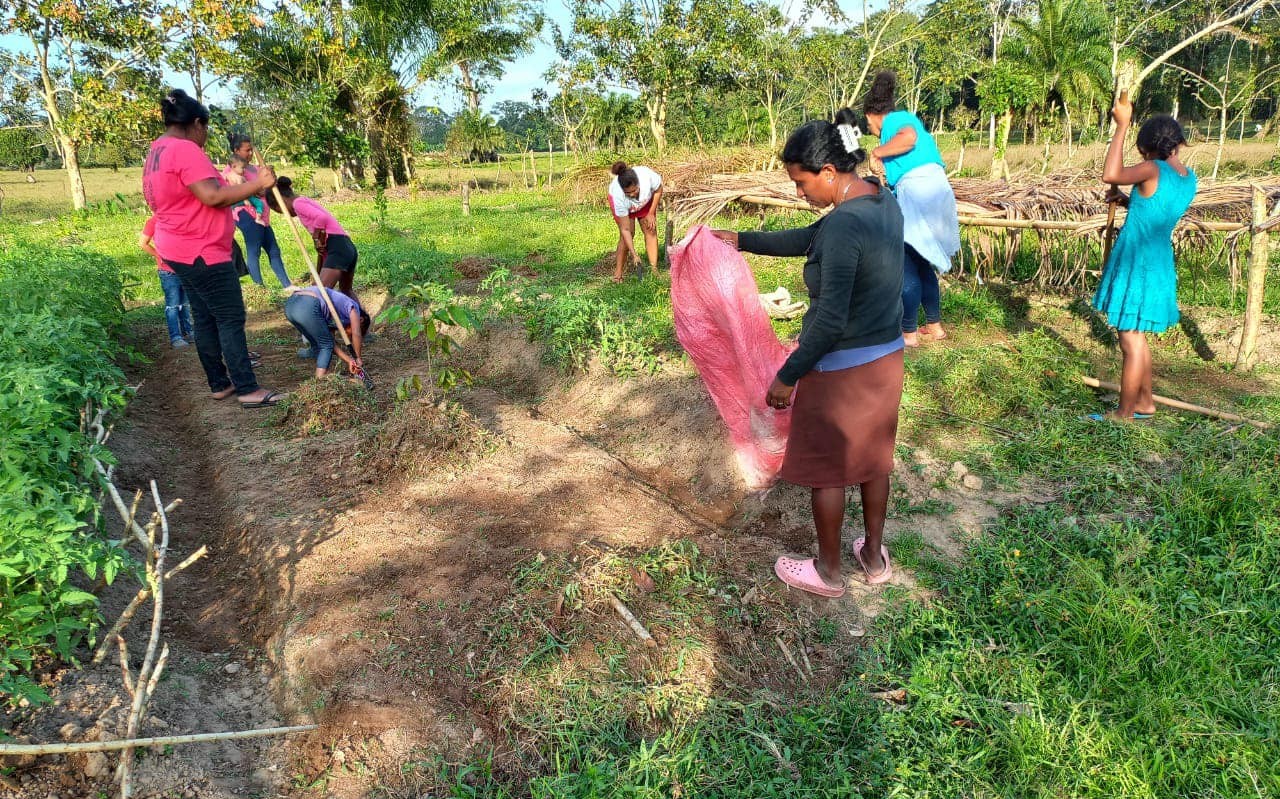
{"x": 832, "y": 579}
{"x": 617, "y": 278}
{"x": 911, "y": 339}
{"x": 224, "y": 393}
{"x": 934, "y": 331}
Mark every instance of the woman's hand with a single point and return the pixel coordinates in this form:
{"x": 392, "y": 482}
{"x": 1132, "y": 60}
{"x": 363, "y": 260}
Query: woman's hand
{"x": 356, "y": 365}
{"x": 779, "y": 396}
{"x": 729, "y": 237}
{"x": 1114, "y": 195}
{"x": 1122, "y": 111}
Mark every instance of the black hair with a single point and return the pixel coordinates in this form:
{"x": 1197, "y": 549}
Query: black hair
{"x": 285, "y": 185}
{"x": 1160, "y": 136}
{"x": 627, "y": 176}
{"x": 178, "y": 108}
{"x": 817, "y": 143}
{"x": 234, "y": 140}
{"x": 365, "y": 320}
{"x": 880, "y": 97}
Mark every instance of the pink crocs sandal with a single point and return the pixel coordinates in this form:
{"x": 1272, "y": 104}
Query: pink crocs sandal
{"x": 874, "y": 579}
{"x": 803, "y": 574}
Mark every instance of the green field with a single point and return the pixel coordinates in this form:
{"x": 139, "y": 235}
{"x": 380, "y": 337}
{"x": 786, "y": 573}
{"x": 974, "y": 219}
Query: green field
{"x": 1119, "y": 636}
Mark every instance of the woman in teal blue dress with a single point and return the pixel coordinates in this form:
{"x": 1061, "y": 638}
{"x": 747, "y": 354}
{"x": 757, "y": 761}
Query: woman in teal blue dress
{"x": 1138, "y": 291}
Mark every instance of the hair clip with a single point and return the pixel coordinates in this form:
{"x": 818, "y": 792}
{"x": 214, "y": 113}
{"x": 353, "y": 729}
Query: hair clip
{"x": 849, "y": 135}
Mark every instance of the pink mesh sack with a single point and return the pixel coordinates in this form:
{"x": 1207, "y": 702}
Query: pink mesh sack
{"x": 724, "y": 327}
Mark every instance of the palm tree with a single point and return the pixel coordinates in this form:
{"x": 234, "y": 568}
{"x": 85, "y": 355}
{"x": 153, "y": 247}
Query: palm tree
{"x": 1065, "y": 47}
{"x": 474, "y": 136}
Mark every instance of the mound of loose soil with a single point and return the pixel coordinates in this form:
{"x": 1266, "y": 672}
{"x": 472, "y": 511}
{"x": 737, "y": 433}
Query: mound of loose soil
{"x": 423, "y": 435}
{"x": 476, "y": 267}
{"x": 325, "y": 405}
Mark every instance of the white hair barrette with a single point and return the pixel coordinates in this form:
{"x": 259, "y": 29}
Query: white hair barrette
{"x": 849, "y": 135}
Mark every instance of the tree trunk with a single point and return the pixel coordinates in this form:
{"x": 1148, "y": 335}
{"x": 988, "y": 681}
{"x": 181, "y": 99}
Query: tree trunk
{"x": 658, "y": 120}
{"x": 71, "y": 163}
{"x": 999, "y": 167}
{"x": 1222, "y": 139}
{"x": 469, "y": 86}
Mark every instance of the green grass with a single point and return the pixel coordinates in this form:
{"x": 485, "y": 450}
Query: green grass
{"x": 1118, "y": 639}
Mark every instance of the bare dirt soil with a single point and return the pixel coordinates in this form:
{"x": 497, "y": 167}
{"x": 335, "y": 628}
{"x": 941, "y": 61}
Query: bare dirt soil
{"x": 356, "y": 570}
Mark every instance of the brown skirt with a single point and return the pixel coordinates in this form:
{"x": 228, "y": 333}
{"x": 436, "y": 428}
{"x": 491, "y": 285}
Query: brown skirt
{"x": 843, "y": 425}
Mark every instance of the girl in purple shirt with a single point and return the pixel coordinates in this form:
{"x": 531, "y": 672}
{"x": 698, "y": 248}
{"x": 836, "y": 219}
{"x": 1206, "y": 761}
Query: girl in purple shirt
{"x": 337, "y": 253}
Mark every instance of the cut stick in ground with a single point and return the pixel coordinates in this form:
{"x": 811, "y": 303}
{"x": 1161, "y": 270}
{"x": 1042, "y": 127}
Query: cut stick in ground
{"x": 1179, "y": 404}
{"x": 791, "y": 658}
{"x": 632, "y": 622}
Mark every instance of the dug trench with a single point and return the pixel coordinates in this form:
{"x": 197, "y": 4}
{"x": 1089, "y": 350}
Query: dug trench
{"x": 423, "y": 578}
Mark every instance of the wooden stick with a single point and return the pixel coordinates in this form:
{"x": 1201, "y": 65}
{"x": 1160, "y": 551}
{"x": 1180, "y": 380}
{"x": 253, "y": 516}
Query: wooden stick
{"x": 1109, "y": 235}
{"x": 1259, "y": 255}
{"x": 138, "y": 743}
{"x": 1055, "y": 224}
{"x": 1180, "y": 405}
{"x": 135, "y": 603}
{"x": 632, "y": 621}
{"x": 791, "y": 658}
{"x": 311, "y": 266}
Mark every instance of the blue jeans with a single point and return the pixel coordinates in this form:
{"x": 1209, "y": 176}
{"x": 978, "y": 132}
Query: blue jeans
{"x": 256, "y": 239}
{"x": 177, "y": 312}
{"x": 218, "y": 309}
{"x": 919, "y": 287}
{"x": 310, "y": 316}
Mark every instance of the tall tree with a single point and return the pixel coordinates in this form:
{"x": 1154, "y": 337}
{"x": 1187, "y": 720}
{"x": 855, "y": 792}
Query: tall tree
{"x": 93, "y": 65}
{"x": 656, "y": 48}
{"x": 478, "y": 38}
{"x": 1064, "y": 47}
{"x": 202, "y": 40}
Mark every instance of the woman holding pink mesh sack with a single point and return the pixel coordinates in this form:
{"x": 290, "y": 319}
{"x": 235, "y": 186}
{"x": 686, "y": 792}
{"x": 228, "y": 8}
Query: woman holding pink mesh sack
{"x": 845, "y": 376}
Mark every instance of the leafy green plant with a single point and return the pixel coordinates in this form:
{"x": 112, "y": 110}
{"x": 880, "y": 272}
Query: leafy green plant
{"x": 428, "y": 310}
{"x": 59, "y": 315}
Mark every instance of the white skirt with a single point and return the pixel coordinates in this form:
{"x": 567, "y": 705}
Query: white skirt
{"x": 930, "y": 221}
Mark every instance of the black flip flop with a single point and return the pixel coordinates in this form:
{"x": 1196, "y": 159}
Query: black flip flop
{"x": 273, "y": 398}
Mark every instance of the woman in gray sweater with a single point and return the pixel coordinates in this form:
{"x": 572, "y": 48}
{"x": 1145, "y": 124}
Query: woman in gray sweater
{"x": 846, "y": 374}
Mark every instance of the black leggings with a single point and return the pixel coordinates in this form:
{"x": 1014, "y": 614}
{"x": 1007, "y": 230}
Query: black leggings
{"x": 217, "y": 314}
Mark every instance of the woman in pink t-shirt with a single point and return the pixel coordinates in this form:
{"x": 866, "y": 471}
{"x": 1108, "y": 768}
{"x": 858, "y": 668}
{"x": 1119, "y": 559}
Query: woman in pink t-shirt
{"x": 191, "y": 204}
{"x": 337, "y": 252}
{"x": 258, "y": 236}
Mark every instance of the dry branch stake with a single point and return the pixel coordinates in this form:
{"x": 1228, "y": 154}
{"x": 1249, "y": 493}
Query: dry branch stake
{"x": 140, "y": 743}
{"x": 632, "y": 621}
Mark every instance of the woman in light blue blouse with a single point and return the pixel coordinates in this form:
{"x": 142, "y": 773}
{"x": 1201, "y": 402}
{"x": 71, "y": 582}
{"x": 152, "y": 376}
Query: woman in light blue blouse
{"x": 914, "y": 169}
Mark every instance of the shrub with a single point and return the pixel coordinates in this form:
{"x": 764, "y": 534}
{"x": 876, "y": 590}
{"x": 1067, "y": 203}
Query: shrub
{"x": 60, "y": 312}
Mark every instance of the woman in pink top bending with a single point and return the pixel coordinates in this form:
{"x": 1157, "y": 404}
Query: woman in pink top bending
{"x": 191, "y": 203}
{"x": 337, "y": 253}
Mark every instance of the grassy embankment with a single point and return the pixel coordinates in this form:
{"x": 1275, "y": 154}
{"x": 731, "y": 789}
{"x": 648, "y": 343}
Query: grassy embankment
{"x": 1120, "y": 640}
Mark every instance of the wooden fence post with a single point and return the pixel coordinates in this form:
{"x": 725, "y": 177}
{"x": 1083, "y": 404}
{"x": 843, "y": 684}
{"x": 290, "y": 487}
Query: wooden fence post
{"x": 466, "y": 198}
{"x": 1259, "y": 253}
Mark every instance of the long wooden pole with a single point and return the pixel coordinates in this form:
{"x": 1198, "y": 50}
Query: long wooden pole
{"x": 1179, "y": 404}
{"x": 1109, "y": 235}
{"x": 302, "y": 247}
{"x": 138, "y": 743}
